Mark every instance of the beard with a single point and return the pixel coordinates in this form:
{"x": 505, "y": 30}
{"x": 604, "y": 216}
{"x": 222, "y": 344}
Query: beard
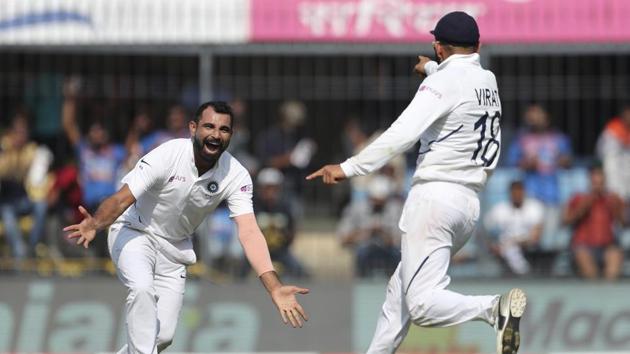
{"x": 198, "y": 145}
{"x": 437, "y": 57}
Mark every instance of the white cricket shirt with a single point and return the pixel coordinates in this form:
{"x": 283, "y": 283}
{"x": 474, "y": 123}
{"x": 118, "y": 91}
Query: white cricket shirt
{"x": 172, "y": 199}
{"x": 455, "y": 114}
{"x": 515, "y": 224}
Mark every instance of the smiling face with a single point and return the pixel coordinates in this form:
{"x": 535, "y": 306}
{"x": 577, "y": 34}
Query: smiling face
{"x": 211, "y": 136}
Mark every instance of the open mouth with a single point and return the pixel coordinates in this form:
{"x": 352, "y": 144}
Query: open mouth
{"x": 212, "y": 146}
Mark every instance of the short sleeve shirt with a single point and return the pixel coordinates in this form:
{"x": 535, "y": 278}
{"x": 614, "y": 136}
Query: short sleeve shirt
{"x": 98, "y": 170}
{"x": 511, "y": 223}
{"x": 596, "y": 228}
{"x": 172, "y": 199}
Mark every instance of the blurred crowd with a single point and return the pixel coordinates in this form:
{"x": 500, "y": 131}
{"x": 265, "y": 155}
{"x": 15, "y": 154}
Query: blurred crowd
{"x": 543, "y": 203}
{"x": 550, "y": 195}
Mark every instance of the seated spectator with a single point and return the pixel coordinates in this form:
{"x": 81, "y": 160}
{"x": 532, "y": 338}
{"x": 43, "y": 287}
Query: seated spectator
{"x": 24, "y": 184}
{"x": 100, "y": 161}
{"x": 176, "y": 127}
{"x": 613, "y": 148}
{"x": 285, "y": 147}
{"x": 276, "y": 221}
{"x": 64, "y": 200}
{"x": 142, "y": 137}
{"x": 240, "y": 143}
{"x": 140, "y": 128}
{"x": 370, "y": 227}
{"x": 354, "y": 139}
{"x": 516, "y": 226}
{"x": 220, "y": 246}
{"x": 593, "y": 217}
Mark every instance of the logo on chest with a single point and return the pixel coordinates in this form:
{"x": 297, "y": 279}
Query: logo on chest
{"x": 213, "y": 187}
{"x": 177, "y": 178}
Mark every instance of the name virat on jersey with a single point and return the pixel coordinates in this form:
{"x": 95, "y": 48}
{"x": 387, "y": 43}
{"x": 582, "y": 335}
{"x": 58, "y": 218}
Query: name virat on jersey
{"x": 488, "y": 97}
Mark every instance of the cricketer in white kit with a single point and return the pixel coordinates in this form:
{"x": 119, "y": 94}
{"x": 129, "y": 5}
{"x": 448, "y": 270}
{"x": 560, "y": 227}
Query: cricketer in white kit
{"x": 455, "y": 115}
{"x": 152, "y": 217}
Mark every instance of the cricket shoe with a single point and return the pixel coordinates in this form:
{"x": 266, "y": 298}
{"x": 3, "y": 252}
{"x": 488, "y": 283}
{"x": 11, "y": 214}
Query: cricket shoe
{"x": 510, "y": 310}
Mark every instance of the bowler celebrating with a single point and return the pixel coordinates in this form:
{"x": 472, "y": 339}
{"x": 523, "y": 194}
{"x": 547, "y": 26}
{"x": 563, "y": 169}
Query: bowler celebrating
{"x": 455, "y": 114}
{"x": 152, "y": 217}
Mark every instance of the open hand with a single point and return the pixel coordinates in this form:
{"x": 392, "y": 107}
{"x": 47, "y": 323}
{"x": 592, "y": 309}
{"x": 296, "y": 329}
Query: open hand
{"x": 330, "y": 174}
{"x": 290, "y": 310}
{"x": 84, "y": 231}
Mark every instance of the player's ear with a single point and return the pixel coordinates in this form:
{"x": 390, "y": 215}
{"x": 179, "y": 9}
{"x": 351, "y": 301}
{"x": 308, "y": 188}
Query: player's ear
{"x": 192, "y": 127}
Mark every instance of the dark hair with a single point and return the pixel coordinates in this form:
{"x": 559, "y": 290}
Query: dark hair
{"x": 596, "y": 166}
{"x": 516, "y": 184}
{"x": 218, "y": 106}
{"x": 471, "y": 46}
{"x": 452, "y": 47}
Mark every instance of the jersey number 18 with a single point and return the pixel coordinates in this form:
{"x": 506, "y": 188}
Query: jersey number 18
{"x": 487, "y": 147}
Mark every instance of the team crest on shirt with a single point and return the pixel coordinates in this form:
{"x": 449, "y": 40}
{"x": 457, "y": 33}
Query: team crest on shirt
{"x": 213, "y": 187}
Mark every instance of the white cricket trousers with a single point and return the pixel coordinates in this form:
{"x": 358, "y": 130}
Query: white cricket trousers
{"x": 155, "y": 289}
{"x": 437, "y": 220}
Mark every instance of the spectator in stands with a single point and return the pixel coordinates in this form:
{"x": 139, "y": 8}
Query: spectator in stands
{"x": 354, "y": 137}
{"x": 140, "y": 128}
{"x": 353, "y": 141}
{"x": 370, "y": 227}
{"x": 239, "y": 145}
{"x": 220, "y": 245}
{"x": 176, "y": 127}
{"x": 593, "y": 217}
{"x": 99, "y": 160}
{"x": 276, "y": 221}
{"x": 540, "y": 151}
{"x": 284, "y": 147}
{"x": 516, "y": 227}
{"x": 64, "y": 199}
{"x": 613, "y": 149}
{"x": 24, "y": 184}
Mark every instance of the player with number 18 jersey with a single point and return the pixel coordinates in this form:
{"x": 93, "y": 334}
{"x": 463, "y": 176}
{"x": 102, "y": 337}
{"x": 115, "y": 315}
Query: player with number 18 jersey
{"x": 455, "y": 114}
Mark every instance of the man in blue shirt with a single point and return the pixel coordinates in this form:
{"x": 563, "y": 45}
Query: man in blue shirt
{"x": 540, "y": 151}
{"x": 99, "y": 159}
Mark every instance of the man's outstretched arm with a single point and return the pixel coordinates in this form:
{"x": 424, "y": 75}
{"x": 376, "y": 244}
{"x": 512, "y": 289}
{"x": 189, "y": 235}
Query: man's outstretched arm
{"x": 109, "y": 210}
{"x": 257, "y": 253}
{"x": 432, "y": 101}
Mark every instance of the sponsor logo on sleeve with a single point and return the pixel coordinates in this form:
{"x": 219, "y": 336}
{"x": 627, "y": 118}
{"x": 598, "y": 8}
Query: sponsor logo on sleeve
{"x": 247, "y": 188}
{"x": 430, "y": 89}
{"x": 140, "y": 166}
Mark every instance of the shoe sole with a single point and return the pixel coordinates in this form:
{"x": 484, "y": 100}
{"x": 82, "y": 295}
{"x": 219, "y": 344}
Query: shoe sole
{"x": 510, "y": 339}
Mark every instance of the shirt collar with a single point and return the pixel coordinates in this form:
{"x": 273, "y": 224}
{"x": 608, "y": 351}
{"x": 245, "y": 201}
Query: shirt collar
{"x": 461, "y": 58}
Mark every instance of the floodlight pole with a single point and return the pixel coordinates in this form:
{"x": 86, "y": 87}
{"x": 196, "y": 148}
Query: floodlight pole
{"x": 206, "y": 79}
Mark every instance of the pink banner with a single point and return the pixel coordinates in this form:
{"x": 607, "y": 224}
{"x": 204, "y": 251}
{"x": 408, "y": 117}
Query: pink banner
{"x": 500, "y": 21}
